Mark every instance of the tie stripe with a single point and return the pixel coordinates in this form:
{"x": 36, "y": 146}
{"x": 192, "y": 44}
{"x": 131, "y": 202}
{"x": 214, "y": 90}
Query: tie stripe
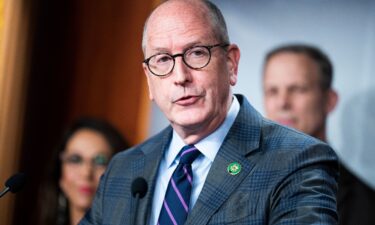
{"x": 187, "y": 151}
{"x": 188, "y": 176}
{"x": 175, "y": 188}
{"x": 177, "y": 198}
{"x": 169, "y": 213}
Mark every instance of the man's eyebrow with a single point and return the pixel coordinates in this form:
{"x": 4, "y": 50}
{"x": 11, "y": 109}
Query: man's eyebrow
{"x": 157, "y": 50}
{"x": 160, "y": 49}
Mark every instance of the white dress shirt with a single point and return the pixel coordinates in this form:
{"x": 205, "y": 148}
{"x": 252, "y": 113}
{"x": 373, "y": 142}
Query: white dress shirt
{"x": 209, "y": 146}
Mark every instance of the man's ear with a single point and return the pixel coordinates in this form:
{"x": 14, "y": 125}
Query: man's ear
{"x": 332, "y": 99}
{"x": 146, "y": 72}
{"x": 233, "y": 59}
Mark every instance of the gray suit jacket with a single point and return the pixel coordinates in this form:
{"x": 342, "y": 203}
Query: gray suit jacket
{"x": 286, "y": 178}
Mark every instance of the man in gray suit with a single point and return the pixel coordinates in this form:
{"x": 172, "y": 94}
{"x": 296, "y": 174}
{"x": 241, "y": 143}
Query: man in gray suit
{"x": 247, "y": 170}
{"x": 298, "y": 92}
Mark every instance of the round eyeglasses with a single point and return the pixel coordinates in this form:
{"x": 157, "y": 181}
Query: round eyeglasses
{"x": 196, "y": 57}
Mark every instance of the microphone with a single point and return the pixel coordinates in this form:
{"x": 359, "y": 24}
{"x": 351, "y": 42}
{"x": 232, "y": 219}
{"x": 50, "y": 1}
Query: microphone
{"x": 139, "y": 190}
{"x": 14, "y": 184}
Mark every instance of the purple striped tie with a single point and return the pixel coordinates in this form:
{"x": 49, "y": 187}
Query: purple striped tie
{"x": 177, "y": 198}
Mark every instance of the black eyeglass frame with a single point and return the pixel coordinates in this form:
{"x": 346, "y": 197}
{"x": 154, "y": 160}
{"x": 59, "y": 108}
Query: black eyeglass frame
{"x": 208, "y": 47}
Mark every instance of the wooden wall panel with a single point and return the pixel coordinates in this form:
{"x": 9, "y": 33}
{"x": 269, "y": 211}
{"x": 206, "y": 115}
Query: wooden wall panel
{"x": 13, "y": 62}
{"x": 109, "y": 80}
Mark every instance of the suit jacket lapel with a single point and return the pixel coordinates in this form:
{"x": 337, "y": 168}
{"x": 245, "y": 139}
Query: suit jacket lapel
{"x": 147, "y": 166}
{"x": 242, "y": 139}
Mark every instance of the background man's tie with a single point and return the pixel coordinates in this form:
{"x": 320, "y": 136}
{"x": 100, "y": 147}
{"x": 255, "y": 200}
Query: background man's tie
{"x": 177, "y": 198}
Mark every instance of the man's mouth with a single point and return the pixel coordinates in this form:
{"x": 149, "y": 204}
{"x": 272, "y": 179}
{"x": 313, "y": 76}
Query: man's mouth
{"x": 187, "y": 100}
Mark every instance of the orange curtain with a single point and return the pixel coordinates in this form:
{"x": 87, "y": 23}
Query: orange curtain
{"x": 13, "y": 63}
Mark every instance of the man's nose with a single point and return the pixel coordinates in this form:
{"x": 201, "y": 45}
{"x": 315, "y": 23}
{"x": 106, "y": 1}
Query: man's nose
{"x": 181, "y": 72}
{"x": 284, "y": 100}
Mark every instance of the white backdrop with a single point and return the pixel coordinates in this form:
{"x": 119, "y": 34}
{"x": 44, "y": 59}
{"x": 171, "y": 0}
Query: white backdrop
{"x": 345, "y": 30}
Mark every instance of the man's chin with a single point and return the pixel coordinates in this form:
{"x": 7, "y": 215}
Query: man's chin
{"x": 188, "y": 122}
{"x": 286, "y": 122}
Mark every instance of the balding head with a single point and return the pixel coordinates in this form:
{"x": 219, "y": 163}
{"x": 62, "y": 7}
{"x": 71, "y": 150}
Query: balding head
{"x": 203, "y": 11}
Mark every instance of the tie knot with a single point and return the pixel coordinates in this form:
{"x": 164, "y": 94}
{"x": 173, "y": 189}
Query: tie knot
{"x": 188, "y": 154}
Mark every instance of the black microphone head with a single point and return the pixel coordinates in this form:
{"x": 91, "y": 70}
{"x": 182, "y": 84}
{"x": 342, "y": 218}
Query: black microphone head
{"x": 139, "y": 186}
{"x": 16, "y": 182}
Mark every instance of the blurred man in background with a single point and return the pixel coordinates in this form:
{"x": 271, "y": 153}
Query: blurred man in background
{"x": 297, "y": 82}
{"x": 297, "y": 88}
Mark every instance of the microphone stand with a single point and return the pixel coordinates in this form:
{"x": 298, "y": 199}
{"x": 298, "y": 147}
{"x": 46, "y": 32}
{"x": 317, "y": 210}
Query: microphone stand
{"x": 136, "y": 208}
{"x": 139, "y": 190}
{"x": 4, "y": 191}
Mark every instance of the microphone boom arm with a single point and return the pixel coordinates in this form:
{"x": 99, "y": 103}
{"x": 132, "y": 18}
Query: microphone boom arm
{"x": 4, "y": 191}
